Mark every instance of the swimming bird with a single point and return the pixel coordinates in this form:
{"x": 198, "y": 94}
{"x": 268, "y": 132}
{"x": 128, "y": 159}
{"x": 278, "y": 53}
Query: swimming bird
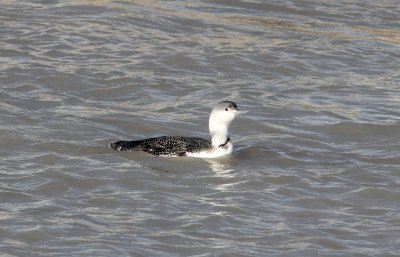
{"x": 171, "y": 146}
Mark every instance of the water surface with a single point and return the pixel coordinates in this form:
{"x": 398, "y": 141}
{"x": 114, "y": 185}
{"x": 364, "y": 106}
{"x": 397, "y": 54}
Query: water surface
{"x": 315, "y": 171}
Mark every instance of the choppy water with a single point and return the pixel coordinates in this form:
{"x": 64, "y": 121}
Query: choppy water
{"x": 316, "y": 166}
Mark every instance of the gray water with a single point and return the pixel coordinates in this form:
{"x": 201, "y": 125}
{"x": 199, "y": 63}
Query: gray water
{"x": 316, "y": 165}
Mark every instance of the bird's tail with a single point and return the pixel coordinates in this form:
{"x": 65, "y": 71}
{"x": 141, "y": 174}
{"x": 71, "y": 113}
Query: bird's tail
{"x": 126, "y": 145}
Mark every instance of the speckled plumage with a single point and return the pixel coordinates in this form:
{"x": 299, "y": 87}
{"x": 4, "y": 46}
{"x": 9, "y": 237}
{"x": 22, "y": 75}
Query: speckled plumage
{"x": 220, "y": 118}
{"x": 165, "y": 145}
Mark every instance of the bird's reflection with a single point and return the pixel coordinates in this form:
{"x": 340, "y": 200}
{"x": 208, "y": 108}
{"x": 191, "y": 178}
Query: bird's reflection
{"x": 224, "y": 170}
{"x": 222, "y": 166}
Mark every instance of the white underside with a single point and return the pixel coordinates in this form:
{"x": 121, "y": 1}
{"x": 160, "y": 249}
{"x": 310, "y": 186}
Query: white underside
{"x": 213, "y": 153}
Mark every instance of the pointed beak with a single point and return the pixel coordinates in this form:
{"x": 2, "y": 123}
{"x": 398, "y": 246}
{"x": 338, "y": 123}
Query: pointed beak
{"x": 240, "y": 112}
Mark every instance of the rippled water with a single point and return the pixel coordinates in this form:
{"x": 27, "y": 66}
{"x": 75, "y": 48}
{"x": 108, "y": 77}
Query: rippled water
{"x": 316, "y": 166}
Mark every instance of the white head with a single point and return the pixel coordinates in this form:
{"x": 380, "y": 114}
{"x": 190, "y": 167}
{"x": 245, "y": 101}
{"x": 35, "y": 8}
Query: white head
{"x": 220, "y": 118}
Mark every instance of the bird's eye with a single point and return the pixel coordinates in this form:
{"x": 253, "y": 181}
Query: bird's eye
{"x": 226, "y": 109}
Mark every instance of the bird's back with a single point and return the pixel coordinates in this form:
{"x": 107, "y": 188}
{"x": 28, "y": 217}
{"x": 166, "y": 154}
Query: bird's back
{"x": 165, "y": 145}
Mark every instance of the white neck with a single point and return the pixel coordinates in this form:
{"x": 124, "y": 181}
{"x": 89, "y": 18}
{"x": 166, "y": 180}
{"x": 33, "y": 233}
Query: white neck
{"x": 219, "y": 124}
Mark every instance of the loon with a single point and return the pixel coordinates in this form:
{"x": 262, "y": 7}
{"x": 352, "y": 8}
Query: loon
{"x": 172, "y": 146}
